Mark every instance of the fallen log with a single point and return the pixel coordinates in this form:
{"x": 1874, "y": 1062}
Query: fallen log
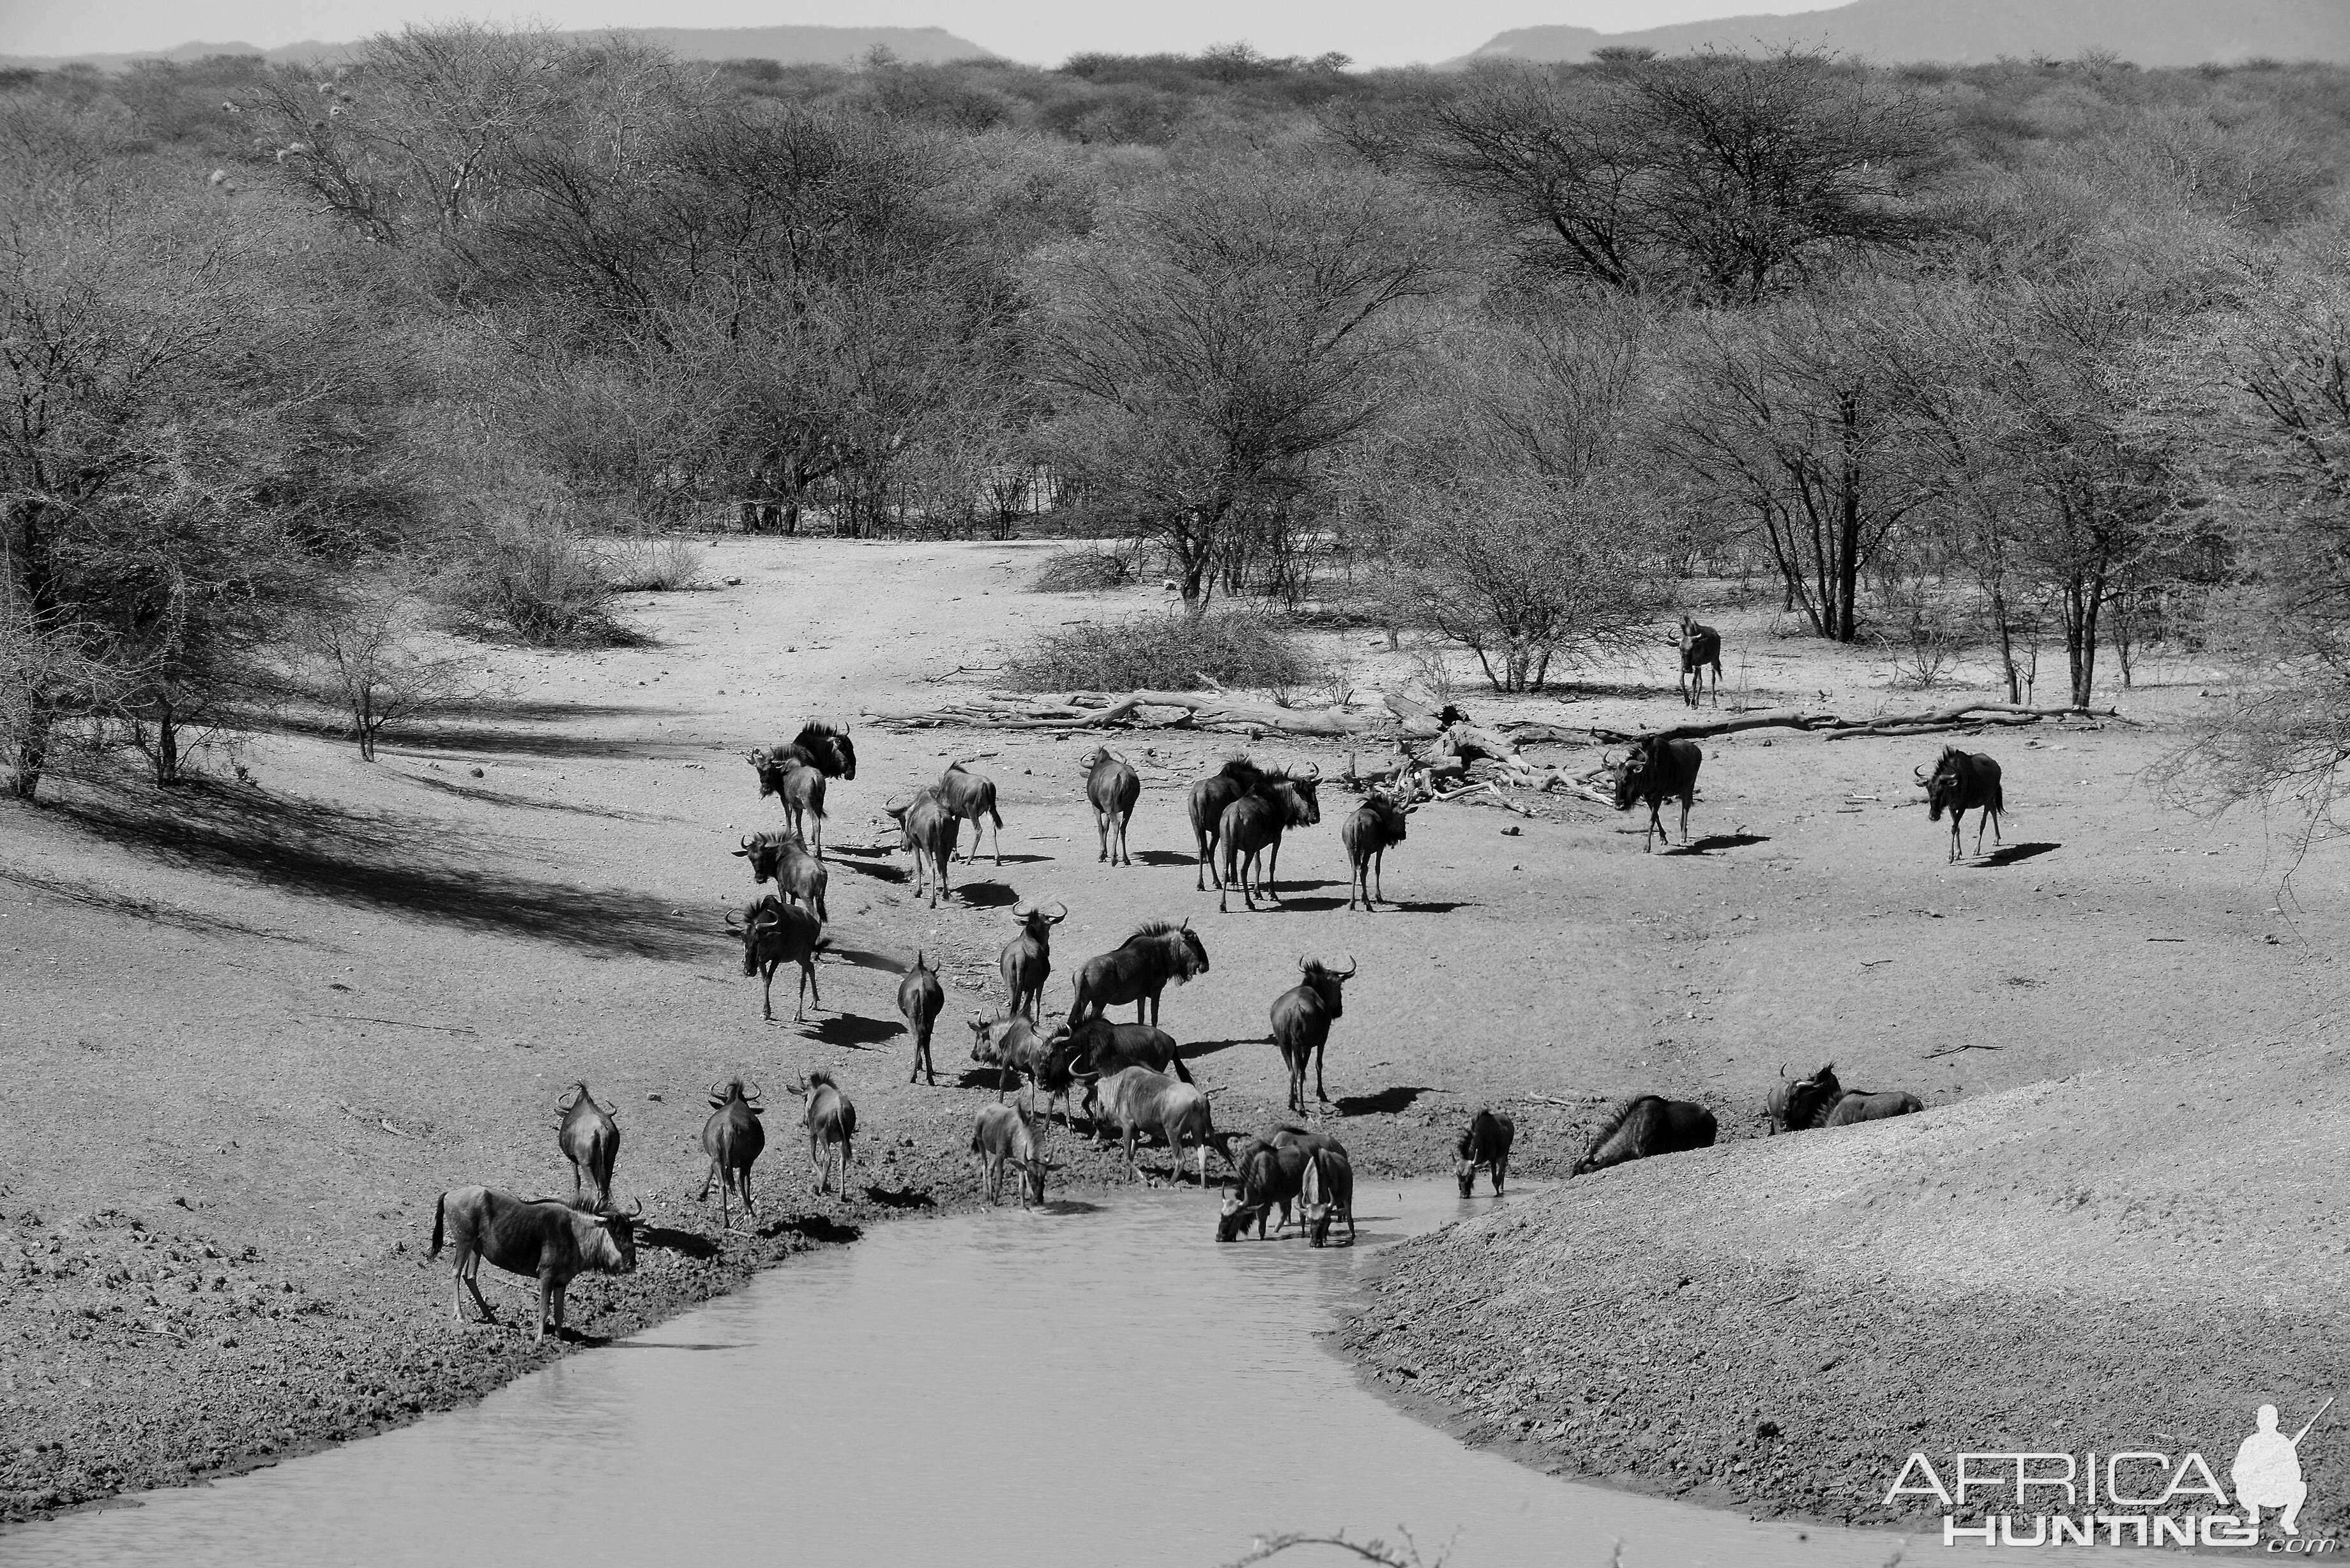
{"x": 1204, "y": 709}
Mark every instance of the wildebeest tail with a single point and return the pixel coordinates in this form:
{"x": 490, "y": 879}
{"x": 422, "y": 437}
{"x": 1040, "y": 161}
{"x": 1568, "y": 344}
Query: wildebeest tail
{"x": 1175, "y": 1062}
{"x": 439, "y": 1204}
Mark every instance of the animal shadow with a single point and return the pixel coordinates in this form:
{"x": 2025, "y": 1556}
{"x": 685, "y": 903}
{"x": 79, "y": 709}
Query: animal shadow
{"x": 2008, "y": 854}
{"x": 987, "y": 895}
{"x": 1431, "y": 907}
{"x": 981, "y": 1078}
{"x": 880, "y": 871}
{"x": 860, "y": 1033}
{"x": 815, "y": 1227}
{"x": 1714, "y": 841}
{"x": 861, "y": 958}
{"x": 1387, "y": 1101}
{"x": 1017, "y": 859}
{"x": 1315, "y": 903}
{"x": 1166, "y": 857}
{"x": 901, "y": 1198}
{"x": 688, "y": 1243}
{"x": 1070, "y": 1205}
{"x": 1192, "y": 1050}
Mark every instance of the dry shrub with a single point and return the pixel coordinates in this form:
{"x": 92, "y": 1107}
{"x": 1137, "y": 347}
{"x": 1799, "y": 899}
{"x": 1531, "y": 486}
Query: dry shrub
{"x": 539, "y": 579}
{"x": 1167, "y": 653}
{"x": 1081, "y": 571}
{"x": 657, "y": 566}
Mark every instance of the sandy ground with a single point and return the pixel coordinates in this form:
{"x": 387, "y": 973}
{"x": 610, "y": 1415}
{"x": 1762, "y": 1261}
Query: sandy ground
{"x": 251, "y": 1032}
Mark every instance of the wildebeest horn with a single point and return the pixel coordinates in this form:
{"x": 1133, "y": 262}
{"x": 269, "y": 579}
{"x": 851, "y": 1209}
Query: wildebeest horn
{"x": 1022, "y": 909}
{"x": 1351, "y": 967}
{"x": 636, "y": 1208}
{"x": 1064, "y": 915}
{"x": 1918, "y": 774}
{"x": 1313, "y": 771}
{"x": 750, "y": 1090}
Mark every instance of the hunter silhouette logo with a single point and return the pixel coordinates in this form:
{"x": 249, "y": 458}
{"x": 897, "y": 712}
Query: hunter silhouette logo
{"x": 2267, "y": 1471}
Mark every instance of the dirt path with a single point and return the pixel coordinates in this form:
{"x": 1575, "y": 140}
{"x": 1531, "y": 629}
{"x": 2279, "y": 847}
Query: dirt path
{"x": 275, "y": 1023}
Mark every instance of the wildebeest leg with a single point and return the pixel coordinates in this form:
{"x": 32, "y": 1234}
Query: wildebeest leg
{"x": 1648, "y": 838}
{"x": 1981, "y": 819}
{"x": 995, "y": 836}
{"x": 539, "y": 1329}
{"x": 767, "y": 992}
{"x": 1273, "y": 870}
{"x": 1686, "y": 801}
{"x": 1319, "y": 1092}
{"x": 1380, "y": 870}
{"x": 1101, "y": 829}
{"x": 1501, "y": 1170}
{"x": 1133, "y": 1171}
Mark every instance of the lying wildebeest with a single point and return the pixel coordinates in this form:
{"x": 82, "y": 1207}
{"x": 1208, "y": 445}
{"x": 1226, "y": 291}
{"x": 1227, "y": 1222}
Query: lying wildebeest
{"x": 969, "y": 795}
{"x": 733, "y": 1138}
{"x": 1327, "y": 1185}
{"x": 1645, "y": 1126}
{"x": 824, "y": 747}
{"x": 1017, "y": 1049}
{"x": 921, "y": 1000}
{"x": 590, "y": 1139}
{"x": 1133, "y": 1100}
{"x": 1252, "y": 829}
{"x": 1026, "y": 961}
{"x": 1374, "y": 826}
{"x": 1485, "y": 1142}
{"x": 1098, "y": 1046}
{"x": 1301, "y": 1017}
{"x": 529, "y": 1236}
{"x": 830, "y": 1122}
{"x": 1820, "y": 1101}
{"x": 776, "y": 933}
{"x": 1701, "y": 646}
{"x": 1137, "y": 969}
{"x": 1963, "y": 781}
{"x": 1270, "y": 1172}
{"x": 1112, "y": 787}
{"x": 928, "y": 831}
{"x": 1653, "y": 773}
{"x": 1209, "y": 796}
{"x": 1006, "y": 1134}
{"x": 783, "y": 859}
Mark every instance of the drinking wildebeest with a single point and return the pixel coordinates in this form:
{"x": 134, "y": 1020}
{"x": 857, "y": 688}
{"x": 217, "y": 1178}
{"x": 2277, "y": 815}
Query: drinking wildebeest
{"x": 1137, "y": 969}
{"x": 1963, "y": 781}
{"x": 1252, "y": 829}
{"x": 1112, "y": 787}
{"x": 825, "y": 747}
{"x": 1645, "y": 1126}
{"x": 830, "y": 1122}
{"x": 733, "y": 1138}
{"x": 929, "y": 831}
{"x": 1655, "y": 771}
{"x": 1820, "y": 1101}
{"x": 1301, "y": 1017}
{"x": 529, "y": 1236}
{"x": 1098, "y": 1046}
{"x": 1135, "y": 1099}
{"x": 1325, "y": 1185}
{"x": 590, "y": 1139}
{"x": 1006, "y": 1134}
{"x": 921, "y": 1000}
{"x": 1701, "y": 646}
{"x": 782, "y": 859}
{"x": 1017, "y": 1048}
{"x": 967, "y": 794}
{"x": 1209, "y": 798}
{"x": 1026, "y": 961}
{"x": 1484, "y": 1142}
{"x": 1365, "y": 836}
{"x": 1269, "y": 1173}
{"x": 776, "y": 933}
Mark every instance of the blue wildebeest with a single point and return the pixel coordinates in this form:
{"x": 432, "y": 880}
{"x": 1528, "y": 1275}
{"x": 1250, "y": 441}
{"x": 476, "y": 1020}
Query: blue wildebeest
{"x": 1137, "y": 969}
{"x": 1252, "y": 829}
{"x": 1366, "y": 835}
{"x": 970, "y": 797}
{"x": 1135, "y": 1100}
{"x": 733, "y": 1138}
{"x": 1017, "y": 1049}
{"x": 1645, "y": 1126}
{"x": 1484, "y": 1142}
{"x": 1026, "y": 961}
{"x": 1269, "y": 1172}
{"x": 1112, "y": 787}
{"x": 528, "y": 1236}
{"x": 1652, "y": 773}
{"x": 921, "y": 1000}
{"x": 774, "y": 933}
{"x": 802, "y": 790}
{"x": 830, "y": 1122}
{"x": 1820, "y": 1101}
{"x": 1701, "y": 646}
{"x": 783, "y": 859}
{"x": 1325, "y": 1185}
{"x": 1301, "y": 1017}
{"x": 1007, "y": 1135}
{"x": 927, "y": 830}
{"x": 825, "y": 747}
{"x": 1098, "y": 1046}
{"x": 590, "y": 1139}
{"x": 1963, "y": 781}
{"x": 1209, "y": 798}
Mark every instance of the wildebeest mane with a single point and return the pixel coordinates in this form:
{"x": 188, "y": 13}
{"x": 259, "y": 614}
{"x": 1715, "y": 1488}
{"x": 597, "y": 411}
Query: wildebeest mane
{"x": 819, "y": 728}
{"x": 1147, "y": 929}
{"x": 1241, "y": 770}
{"x": 1617, "y": 1119}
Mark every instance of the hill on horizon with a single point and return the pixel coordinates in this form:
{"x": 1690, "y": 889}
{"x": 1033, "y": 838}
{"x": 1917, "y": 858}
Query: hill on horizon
{"x": 1976, "y": 32}
{"x": 789, "y": 45}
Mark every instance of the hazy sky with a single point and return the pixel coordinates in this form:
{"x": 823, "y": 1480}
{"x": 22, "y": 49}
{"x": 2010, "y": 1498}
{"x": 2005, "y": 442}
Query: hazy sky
{"x": 1045, "y": 31}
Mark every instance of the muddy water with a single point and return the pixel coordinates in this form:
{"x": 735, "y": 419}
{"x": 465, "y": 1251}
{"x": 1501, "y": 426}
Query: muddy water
{"x": 1084, "y": 1386}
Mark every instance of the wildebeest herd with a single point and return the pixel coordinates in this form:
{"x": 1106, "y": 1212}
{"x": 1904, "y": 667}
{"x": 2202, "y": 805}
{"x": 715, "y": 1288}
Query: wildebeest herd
{"x": 1130, "y": 1080}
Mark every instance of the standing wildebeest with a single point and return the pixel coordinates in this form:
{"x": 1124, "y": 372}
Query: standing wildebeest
{"x": 1327, "y": 1185}
{"x": 830, "y": 1120}
{"x": 1485, "y": 1141}
{"x": 1097, "y": 1045}
{"x": 1005, "y": 1134}
{"x": 1137, "y": 969}
{"x": 1209, "y": 796}
{"x": 1366, "y": 835}
{"x": 824, "y": 747}
{"x": 1135, "y": 1100}
{"x": 802, "y": 790}
{"x": 1026, "y": 961}
{"x": 1112, "y": 786}
{"x": 921, "y": 1000}
{"x": 1017, "y": 1048}
{"x": 1301, "y": 1017}
{"x": 1252, "y": 828}
{"x": 1655, "y": 771}
{"x": 1820, "y": 1101}
{"x": 1269, "y": 1173}
{"x": 1701, "y": 646}
{"x": 929, "y": 830}
{"x": 529, "y": 1236}
{"x": 776, "y": 933}
{"x": 733, "y": 1139}
{"x": 590, "y": 1139}
{"x": 967, "y": 794}
{"x": 1963, "y": 781}
{"x": 1647, "y": 1124}
{"x": 783, "y": 860}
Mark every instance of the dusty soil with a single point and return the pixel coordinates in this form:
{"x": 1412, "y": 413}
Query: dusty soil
{"x": 253, "y": 1028}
